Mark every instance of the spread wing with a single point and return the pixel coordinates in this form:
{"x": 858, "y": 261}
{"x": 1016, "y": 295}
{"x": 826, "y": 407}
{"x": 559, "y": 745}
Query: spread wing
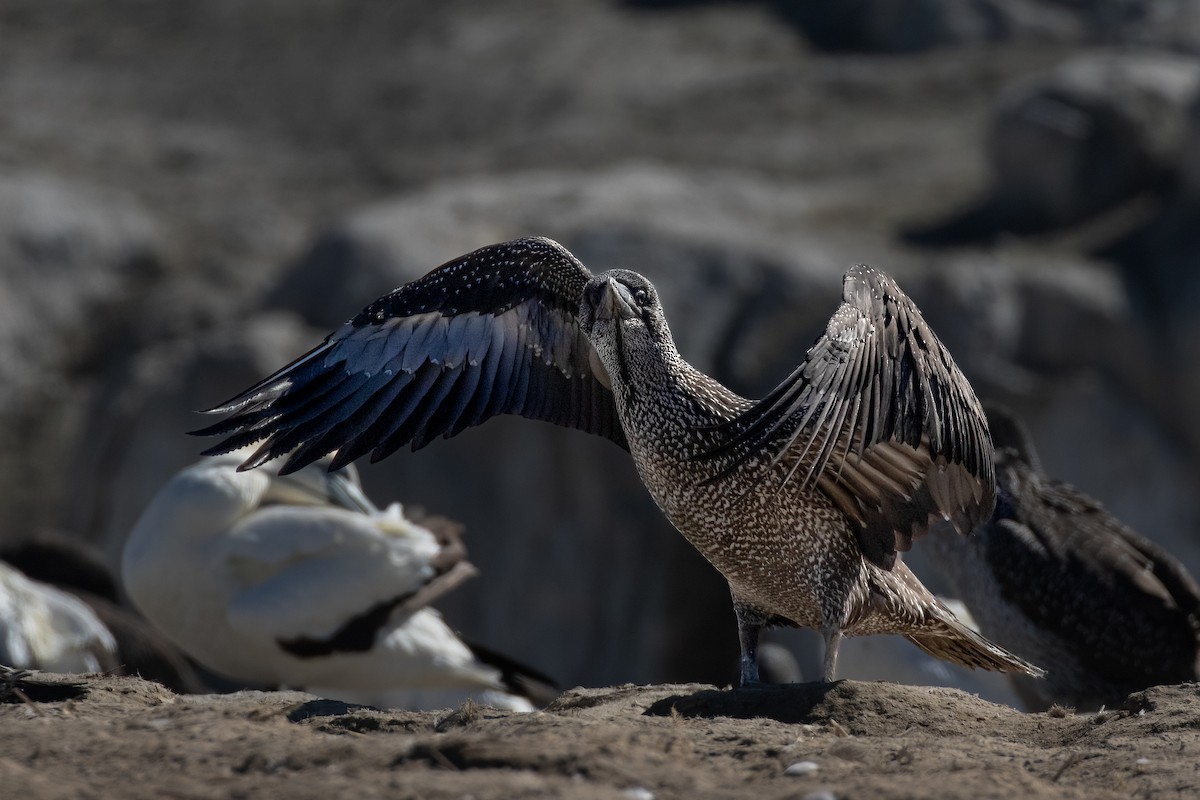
{"x": 492, "y": 332}
{"x": 880, "y": 419}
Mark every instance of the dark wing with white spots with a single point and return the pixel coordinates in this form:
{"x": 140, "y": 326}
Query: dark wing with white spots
{"x": 492, "y": 332}
{"x": 879, "y": 418}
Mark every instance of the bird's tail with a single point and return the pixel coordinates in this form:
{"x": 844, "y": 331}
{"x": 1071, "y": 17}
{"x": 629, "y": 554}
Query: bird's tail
{"x": 517, "y": 678}
{"x": 930, "y": 625}
{"x": 958, "y": 644}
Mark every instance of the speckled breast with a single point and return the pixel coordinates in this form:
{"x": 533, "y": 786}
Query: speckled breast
{"x": 787, "y": 553}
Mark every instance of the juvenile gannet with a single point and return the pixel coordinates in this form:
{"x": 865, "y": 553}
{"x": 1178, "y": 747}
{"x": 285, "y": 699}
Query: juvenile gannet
{"x": 801, "y": 500}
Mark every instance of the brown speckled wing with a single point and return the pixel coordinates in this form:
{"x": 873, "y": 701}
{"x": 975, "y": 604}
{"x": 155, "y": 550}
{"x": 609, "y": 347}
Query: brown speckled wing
{"x": 492, "y": 332}
{"x": 880, "y": 418}
{"x": 1079, "y": 574}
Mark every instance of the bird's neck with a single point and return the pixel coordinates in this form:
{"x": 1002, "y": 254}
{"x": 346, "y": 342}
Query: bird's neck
{"x": 199, "y": 503}
{"x": 660, "y": 397}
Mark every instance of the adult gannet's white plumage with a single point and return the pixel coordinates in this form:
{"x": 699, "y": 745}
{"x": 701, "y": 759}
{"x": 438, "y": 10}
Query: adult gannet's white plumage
{"x": 45, "y": 628}
{"x": 301, "y": 581}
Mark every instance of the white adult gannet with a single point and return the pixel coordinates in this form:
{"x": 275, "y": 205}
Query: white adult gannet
{"x": 45, "y": 628}
{"x": 300, "y": 581}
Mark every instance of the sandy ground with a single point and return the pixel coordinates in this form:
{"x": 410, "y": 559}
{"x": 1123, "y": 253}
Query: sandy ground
{"x": 247, "y": 128}
{"x": 84, "y": 737}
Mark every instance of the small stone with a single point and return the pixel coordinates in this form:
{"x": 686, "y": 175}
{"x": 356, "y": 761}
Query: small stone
{"x": 821, "y": 794}
{"x": 638, "y": 793}
{"x": 802, "y": 768}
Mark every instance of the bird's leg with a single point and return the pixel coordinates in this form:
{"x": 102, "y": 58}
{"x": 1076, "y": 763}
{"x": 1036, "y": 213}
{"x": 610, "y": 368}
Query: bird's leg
{"x": 750, "y": 622}
{"x": 748, "y": 638}
{"x": 833, "y": 640}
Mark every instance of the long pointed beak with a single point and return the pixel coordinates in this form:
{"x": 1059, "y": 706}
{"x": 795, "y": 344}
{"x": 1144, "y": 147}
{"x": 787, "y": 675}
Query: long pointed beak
{"x": 316, "y": 487}
{"x": 345, "y": 492}
{"x": 611, "y": 300}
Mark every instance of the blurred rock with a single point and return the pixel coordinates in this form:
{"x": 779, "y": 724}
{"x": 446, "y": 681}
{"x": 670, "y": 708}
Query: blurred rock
{"x": 1171, "y": 25}
{"x": 908, "y": 26}
{"x": 74, "y": 256}
{"x": 1054, "y": 315}
{"x": 1092, "y": 133}
{"x": 1159, "y": 263}
{"x": 136, "y": 427}
{"x": 900, "y": 26}
{"x": 1190, "y": 158}
{"x": 373, "y": 250}
{"x": 71, "y": 253}
{"x": 896, "y": 26}
{"x": 1078, "y": 142}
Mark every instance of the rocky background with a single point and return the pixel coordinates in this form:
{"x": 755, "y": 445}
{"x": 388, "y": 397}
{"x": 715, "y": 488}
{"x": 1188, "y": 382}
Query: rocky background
{"x": 194, "y": 192}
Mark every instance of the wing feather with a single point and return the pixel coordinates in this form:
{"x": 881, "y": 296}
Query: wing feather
{"x": 1124, "y": 588}
{"x": 474, "y": 412}
{"x": 420, "y": 422}
{"x": 391, "y": 438}
{"x": 313, "y": 436}
{"x": 361, "y": 438}
{"x": 492, "y": 332}
{"x": 446, "y": 418}
{"x": 879, "y": 418}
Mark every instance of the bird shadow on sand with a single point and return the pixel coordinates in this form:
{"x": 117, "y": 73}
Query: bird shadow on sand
{"x": 788, "y": 703}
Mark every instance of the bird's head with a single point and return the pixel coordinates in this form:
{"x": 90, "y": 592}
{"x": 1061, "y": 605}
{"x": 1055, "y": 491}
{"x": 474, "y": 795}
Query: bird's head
{"x": 621, "y": 314}
{"x": 315, "y": 485}
{"x": 1011, "y": 439}
{"x": 312, "y": 485}
{"x": 620, "y": 303}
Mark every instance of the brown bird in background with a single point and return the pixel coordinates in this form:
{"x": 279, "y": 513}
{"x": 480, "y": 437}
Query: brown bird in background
{"x": 800, "y": 500}
{"x": 74, "y": 566}
{"x": 1057, "y": 578}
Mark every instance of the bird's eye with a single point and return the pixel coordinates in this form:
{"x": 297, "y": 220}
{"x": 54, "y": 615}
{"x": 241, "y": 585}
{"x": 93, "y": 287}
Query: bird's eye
{"x": 642, "y": 297}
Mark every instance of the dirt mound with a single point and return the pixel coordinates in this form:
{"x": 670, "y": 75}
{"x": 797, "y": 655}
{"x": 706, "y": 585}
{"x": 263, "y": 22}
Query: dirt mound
{"x": 127, "y": 737}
